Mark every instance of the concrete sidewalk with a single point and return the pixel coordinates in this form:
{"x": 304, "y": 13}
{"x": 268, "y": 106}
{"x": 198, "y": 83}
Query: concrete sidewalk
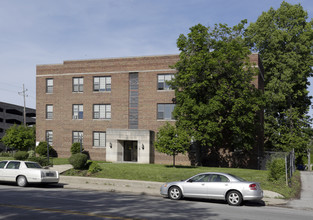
{"x": 306, "y": 199}
{"x": 133, "y": 186}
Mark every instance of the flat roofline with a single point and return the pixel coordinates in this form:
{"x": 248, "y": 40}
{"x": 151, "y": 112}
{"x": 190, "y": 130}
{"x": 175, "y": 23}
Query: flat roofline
{"x": 109, "y": 58}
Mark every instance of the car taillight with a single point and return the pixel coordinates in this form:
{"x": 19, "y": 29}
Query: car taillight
{"x": 253, "y": 186}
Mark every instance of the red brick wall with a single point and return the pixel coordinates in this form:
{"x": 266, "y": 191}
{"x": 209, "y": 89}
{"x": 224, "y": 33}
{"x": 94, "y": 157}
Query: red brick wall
{"x": 63, "y": 99}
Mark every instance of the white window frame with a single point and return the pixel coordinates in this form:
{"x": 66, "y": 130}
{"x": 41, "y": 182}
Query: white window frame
{"x": 162, "y": 79}
{"x": 49, "y": 85}
{"x": 164, "y": 110}
{"x": 77, "y": 136}
{"x": 49, "y": 111}
{"x": 99, "y": 139}
{"x": 102, "y": 111}
{"x": 78, "y": 111}
{"x": 78, "y": 84}
{"x": 102, "y": 83}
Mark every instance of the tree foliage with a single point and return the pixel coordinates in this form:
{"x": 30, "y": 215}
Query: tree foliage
{"x": 20, "y": 137}
{"x": 284, "y": 40}
{"x": 172, "y": 141}
{"x": 216, "y": 103}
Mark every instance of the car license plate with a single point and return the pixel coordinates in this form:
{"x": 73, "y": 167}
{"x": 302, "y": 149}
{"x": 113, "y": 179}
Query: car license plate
{"x": 49, "y": 174}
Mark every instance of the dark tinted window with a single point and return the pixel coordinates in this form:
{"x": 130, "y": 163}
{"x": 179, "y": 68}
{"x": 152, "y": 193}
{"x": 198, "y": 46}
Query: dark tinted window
{"x": 3, "y": 163}
{"x": 13, "y": 165}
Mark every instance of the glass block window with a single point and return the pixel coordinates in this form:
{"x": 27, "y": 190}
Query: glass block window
{"x": 98, "y": 139}
{"x": 102, "y": 83}
{"x": 165, "y": 111}
{"x": 102, "y": 111}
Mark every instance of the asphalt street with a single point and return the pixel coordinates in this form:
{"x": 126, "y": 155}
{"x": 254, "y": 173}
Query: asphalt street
{"x": 55, "y": 202}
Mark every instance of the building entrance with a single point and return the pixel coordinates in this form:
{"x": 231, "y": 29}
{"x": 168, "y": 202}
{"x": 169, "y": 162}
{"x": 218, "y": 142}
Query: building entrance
{"x": 130, "y": 151}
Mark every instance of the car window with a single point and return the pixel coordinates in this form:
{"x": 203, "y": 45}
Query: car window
{"x": 238, "y": 178}
{"x": 32, "y": 165}
{"x": 13, "y": 165}
{"x": 200, "y": 178}
{"x": 3, "y": 163}
{"x": 218, "y": 178}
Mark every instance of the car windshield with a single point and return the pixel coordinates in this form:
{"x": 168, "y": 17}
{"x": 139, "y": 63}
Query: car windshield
{"x": 238, "y": 178}
{"x": 32, "y": 165}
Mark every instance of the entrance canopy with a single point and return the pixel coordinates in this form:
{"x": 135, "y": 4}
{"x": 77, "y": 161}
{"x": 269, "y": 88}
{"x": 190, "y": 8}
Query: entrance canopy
{"x": 130, "y": 145}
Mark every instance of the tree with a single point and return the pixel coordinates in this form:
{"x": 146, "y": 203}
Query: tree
{"x": 172, "y": 141}
{"x": 20, "y": 137}
{"x": 216, "y": 103}
{"x": 284, "y": 40}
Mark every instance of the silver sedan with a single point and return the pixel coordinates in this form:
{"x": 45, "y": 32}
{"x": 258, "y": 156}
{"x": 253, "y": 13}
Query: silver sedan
{"x": 213, "y": 185}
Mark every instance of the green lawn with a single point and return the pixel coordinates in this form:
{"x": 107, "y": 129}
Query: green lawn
{"x": 167, "y": 173}
{"x": 164, "y": 173}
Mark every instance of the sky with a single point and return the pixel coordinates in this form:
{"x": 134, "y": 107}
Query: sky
{"x": 36, "y": 32}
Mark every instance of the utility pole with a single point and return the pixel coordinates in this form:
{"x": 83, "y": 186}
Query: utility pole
{"x": 23, "y": 93}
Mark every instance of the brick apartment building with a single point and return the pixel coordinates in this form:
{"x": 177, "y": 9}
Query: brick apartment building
{"x": 113, "y": 106}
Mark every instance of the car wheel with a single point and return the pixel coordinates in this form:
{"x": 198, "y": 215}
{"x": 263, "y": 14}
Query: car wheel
{"x": 21, "y": 181}
{"x": 234, "y": 198}
{"x": 175, "y": 193}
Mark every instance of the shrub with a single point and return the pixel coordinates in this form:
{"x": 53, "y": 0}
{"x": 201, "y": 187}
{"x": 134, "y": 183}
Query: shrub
{"x": 5, "y": 154}
{"x": 78, "y": 161}
{"x": 41, "y": 149}
{"x": 31, "y": 153}
{"x": 43, "y": 161}
{"x": 276, "y": 169}
{"x": 21, "y": 155}
{"x": 94, "y": 168}
{"x": 75, "y": 149}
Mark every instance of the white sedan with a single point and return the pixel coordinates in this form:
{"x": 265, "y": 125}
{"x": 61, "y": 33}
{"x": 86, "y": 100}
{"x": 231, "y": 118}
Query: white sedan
{"x": 24, "y": 172}
{"x": 211, "y": 185}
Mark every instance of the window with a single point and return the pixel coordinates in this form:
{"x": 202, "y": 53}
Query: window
{"x": 78, "y": 84}
{"x": 78, "y": 136}
{"x": 98, "y": 139}
{"x": 102, "y": 111}
{"x": 13, "y": 165}
{"x": 102, "y": 83}
{"x": 49, "y": 85}
{"x": 165, "y": 111}
{"x": 162, "y": 81}
{"x": 49, "y": 112}
{"x": 49, "y": 137}
{"x": 3, "y": 163}
{"x": 218, "y": 178}
{"x": 200, "y": 178}
{"x": 78, "y": 111}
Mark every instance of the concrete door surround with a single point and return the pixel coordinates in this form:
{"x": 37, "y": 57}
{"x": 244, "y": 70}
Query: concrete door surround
{"x": 115, "y": 139}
